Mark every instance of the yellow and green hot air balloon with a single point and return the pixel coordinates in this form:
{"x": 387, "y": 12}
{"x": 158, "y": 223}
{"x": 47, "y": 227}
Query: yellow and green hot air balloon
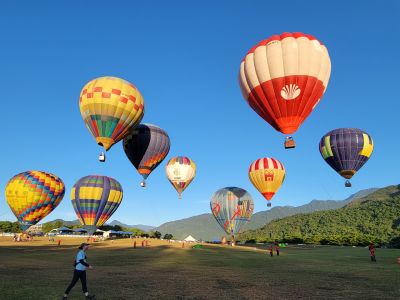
{"x": 267, "y": 175}
{"x": 110, "y": 107}
{"x": 32, "y": 195}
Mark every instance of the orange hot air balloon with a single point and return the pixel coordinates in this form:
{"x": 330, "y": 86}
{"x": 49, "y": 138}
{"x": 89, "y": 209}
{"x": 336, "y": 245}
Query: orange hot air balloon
{"x": 267, "y": 175}
{"x": 284, "y": 77}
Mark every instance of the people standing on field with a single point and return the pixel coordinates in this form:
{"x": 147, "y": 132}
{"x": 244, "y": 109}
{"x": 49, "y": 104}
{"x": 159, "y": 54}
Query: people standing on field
{"x": 277, "y": 249}
{"x": 271, "y": 250}
{"x": 371, "y": 249}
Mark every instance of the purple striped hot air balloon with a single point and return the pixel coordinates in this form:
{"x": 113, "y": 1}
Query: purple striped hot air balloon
{"x": 95, "y": 198}
{"x": 146, "y": 147}
{"x": 346, "y": 150}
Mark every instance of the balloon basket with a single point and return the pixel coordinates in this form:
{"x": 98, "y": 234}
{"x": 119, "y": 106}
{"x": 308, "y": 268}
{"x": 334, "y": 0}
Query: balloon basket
{"x": 269, "y": 204}
{"x": 347, "y": 183}
{"x": 143, "y": 184}
{"x": 289, "y": 143}
{"x": 102, "y": 157}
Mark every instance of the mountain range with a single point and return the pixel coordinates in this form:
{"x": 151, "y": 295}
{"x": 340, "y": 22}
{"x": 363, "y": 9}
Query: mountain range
{"x": 113, "y": 223}
{"x": 205, "y": 227}
{"x": 373, "y": 218}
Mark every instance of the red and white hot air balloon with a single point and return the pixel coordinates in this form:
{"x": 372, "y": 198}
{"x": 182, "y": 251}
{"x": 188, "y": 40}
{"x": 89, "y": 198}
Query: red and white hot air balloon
{"x": 284, "y": 77}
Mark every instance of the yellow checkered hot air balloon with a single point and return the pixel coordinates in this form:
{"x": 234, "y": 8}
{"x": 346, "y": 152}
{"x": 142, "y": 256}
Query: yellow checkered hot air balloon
{"x": 267, "y": 175}
{"x": 32, "y": 195}
{"x": 110, "y": 107}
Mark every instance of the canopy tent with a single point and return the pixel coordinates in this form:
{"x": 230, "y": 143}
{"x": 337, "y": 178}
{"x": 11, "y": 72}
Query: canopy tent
{"x": 189, "y": 239}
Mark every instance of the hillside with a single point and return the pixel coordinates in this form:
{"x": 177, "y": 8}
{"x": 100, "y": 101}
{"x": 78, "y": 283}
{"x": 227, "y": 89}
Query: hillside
{"x": 206, "y": 228}
{"x": 374, "y": 217}
{"x": 113, "y": 223}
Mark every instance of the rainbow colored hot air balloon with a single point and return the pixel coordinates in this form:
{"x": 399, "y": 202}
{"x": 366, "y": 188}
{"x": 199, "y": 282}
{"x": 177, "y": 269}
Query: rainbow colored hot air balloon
{"x": 146, "y": 147}
{"x": 32, "y": 195}
{"x": 267, "y": 175}
{"x": 232, "y": 207}
{"x": 284, "y": 77}
{"x": 346, "y": 150}
{"x": 110, "y": 107}
{"x": 180, "y": 172}
{"x": 95, "y": 198}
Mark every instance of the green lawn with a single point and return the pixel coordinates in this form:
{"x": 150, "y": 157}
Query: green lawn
{"x": 42, "y": 271}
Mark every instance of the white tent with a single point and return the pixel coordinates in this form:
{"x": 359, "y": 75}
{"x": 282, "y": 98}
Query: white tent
{"x": 190, "y": 239}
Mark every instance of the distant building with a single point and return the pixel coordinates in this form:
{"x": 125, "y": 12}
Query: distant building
{"x": 35, "y": 229}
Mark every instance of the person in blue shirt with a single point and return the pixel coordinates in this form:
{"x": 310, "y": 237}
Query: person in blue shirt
{"x": 80, "y": 272}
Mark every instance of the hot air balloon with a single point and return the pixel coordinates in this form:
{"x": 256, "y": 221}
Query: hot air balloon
{"x": 267, "y": 175}
{"x": 110, "y": 107}
{"x": 180, "y": 172}
{"x": 146, "y": 147}
{"x": 232, "y": 207}
{"x": 32, "y": 195}
{"x": 346, "y": 150}
{"x": 95, "y": 198}
{"x": 283, "y": 78}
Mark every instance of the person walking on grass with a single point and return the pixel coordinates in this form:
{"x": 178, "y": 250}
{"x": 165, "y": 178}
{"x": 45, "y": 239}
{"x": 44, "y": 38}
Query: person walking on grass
{"x": 80, "y": 272}
{"x": 371, "y": 249}
{"x": 277, "y": 249}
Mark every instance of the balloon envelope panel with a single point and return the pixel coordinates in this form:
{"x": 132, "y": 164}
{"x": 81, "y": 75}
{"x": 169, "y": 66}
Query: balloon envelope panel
{"x": 95, "y": 198}
{"x": 32, "y": 195}
{"x": 232, "y": 207}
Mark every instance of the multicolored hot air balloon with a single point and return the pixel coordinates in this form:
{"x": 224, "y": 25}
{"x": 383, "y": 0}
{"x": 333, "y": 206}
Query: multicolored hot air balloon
{"x": 232, "y": 207}
{"x": 95, "y": 198}
{"x": 146, "y": 147}
{"x": 267, "y": 175}
{"x": 284, "y": 77}
{"x": 180, "y": 172}
{"x": 346, "y": 150}
{"x": 110, "y": 107}
{"x": 32, "y": 195}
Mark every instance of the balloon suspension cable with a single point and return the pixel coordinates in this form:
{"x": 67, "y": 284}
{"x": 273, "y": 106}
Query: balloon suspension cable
{"x": 347, "y": 183}
{"x": 102, "y": 157}
{"x": 143, "y": 184}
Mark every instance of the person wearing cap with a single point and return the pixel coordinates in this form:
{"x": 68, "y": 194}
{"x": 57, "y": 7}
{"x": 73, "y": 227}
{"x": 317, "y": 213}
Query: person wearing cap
{"x": 80, "y": 272}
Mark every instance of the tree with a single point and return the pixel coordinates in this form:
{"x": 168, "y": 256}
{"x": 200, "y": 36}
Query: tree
{"x": 155, "y": 234}
{"x": 168, "y": 236}
{"x": 51, "y": 225}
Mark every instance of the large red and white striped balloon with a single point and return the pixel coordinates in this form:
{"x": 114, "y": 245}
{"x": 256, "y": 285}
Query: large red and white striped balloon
{"x": 284, "y": 77}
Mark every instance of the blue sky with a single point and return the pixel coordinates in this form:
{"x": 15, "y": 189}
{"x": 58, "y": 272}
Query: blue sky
{"x": 184, "y": 57}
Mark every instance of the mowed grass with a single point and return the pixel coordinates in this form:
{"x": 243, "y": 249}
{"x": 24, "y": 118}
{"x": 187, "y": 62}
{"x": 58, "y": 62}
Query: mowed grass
{"x": 42, "y": 270}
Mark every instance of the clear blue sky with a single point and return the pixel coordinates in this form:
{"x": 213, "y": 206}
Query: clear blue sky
{"x": 184, "y": 57}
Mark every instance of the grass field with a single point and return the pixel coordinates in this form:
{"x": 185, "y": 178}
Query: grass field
{"x": 42, "y": 270}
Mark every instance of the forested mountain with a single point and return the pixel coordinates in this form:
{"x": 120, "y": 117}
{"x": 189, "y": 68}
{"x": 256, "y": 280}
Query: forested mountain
{"x": 372, "y": 218}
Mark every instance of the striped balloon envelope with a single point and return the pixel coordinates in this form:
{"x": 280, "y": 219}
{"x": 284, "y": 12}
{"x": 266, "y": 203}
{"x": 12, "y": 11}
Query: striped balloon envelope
{"x": 284, "y": 77}
{"x": 267, "y": 175}
{"x": 32, "y": 195}
{"x": 110, "y": 107}
{"x": 346, "y": 150}
{"x": 146, "y": 147}
{"x": 232, "y": 207}
{"x": 180, "y": 172}
{"x": 95, "y": 198}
